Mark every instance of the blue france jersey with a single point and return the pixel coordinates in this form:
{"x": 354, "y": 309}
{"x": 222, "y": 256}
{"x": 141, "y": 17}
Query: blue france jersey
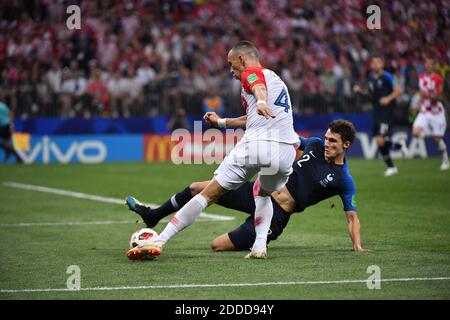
{"x": 381, "y": 87}
{"x": 314, "y": 179}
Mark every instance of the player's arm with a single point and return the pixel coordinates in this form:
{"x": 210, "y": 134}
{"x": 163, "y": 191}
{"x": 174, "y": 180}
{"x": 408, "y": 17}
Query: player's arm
{"x": 254, "y": 82}
{"x": 260, "y": 92}
{"x": 358, "y": 89}
{"x": 232, "y": 123}
{"x": 354, "y": 230}
{"x": 396, "y": 92}
{"x": 353, "y": 224}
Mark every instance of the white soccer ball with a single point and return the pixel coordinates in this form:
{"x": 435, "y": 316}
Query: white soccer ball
{"x": 142, "y": 237}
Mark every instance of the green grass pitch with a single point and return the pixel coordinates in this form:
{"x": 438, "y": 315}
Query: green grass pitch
{"x": 405, "y": 223}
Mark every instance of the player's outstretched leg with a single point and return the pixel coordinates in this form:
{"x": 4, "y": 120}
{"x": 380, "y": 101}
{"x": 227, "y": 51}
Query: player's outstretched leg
{"x": 151, "y": 217}
{"x": 145, "y": 212}
{"x": 184, "y": 218}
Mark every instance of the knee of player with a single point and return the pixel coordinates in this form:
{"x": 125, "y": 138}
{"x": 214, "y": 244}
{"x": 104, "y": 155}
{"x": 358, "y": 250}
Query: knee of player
{"x": 195, "y": 188}
{"x": 416, "y": 132}
{"x": 222, "y": 243}
{"x": 380, "y": 141}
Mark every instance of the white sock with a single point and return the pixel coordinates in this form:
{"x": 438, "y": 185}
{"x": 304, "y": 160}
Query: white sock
{"x": 183, "y": 218}
{"x": 443, "y": 149}
{"x": 263, "y": 218}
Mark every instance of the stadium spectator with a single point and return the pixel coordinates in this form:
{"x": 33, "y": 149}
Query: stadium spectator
{"x": 73, "y": 90}
{"x": 43, "y": 93}
{"x": 130, "y": 88}
{"x": 213, "y": 102}
{"x": 178, "y": 121}
{"x": 310, "y": 36}
{"x": 26, "y": 95}
{"x": 97, "y": 95}
{"x": 115, "y": 93}
{"x": 54, "y": 76}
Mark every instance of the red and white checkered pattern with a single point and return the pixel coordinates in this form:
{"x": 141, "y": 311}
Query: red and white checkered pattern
{"x": 428, "y": 85}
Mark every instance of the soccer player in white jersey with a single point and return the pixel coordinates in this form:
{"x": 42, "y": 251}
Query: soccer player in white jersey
{"x": 430, "y": 122}
{"x": 268, "y": 147}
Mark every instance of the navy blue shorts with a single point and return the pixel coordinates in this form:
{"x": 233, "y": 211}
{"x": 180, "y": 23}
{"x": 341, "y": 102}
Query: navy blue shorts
{"x": 381, "y": 128}
{"x": 242, "y": 199}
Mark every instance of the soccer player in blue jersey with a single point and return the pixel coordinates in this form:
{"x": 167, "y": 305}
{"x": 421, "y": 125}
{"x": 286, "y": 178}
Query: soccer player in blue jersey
{"x": 319, "y": 174}
{"x": 383, "y": 90}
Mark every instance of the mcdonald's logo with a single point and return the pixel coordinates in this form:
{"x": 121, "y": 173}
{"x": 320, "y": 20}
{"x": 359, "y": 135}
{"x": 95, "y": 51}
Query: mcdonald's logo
{"x": 21, "y": 141}
{"x": 157, "y": 148}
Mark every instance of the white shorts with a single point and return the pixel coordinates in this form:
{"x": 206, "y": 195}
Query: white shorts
{"x": 273, "y": 160}
{"x": 431, "y": 124}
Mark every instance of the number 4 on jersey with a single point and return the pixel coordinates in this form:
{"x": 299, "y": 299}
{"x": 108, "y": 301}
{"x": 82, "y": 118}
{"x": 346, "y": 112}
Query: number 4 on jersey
{"x": 283, "y": 101}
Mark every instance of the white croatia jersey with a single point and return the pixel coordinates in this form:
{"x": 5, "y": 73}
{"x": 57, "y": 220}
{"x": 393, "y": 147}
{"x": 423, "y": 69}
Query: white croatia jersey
{"x": 280, "y": 128}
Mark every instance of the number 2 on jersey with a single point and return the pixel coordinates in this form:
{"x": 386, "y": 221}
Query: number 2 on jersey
{"x": 283, "y": 100}
{"x": 305, "y": 158}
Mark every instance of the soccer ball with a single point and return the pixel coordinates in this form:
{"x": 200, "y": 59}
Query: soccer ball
{"x": 141, "y": 237}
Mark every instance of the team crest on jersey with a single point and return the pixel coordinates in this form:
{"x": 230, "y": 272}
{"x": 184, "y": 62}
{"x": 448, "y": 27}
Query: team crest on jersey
{"x": 325, "y": 181}
{"x": 380, "y": 83}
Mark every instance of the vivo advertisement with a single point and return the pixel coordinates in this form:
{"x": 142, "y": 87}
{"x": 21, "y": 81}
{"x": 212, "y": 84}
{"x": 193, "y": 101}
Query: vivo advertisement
{"x": 79, "y": 148}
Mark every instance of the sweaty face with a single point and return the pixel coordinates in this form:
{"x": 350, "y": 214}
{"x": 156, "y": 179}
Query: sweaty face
{"x": 376, "y": 65}
{"x": 334, "y": 146}
{"x": 236, "y": 66}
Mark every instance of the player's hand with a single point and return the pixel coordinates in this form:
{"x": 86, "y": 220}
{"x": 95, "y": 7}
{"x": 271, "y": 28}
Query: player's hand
{"x": 264, "y": 110}
{"x": 356, "y": 89}
{"x": 384, "y": 101}
{"x": 212, "y": 118}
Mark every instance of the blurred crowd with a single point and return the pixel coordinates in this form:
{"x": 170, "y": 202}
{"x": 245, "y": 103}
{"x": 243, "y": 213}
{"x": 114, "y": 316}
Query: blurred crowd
{"x": 152, "y": 57}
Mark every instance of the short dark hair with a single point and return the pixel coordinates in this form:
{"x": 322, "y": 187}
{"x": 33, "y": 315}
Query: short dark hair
{"x": 377, "y": 55}
{"x": 345, "y": 128}
{"x": 247, "y": 47}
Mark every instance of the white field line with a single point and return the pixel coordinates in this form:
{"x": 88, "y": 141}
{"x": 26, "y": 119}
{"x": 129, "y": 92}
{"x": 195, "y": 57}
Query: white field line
{"x": 80, "y": 195}
{"x": 77, "y": 223}
{"x": 221, "y": 285}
